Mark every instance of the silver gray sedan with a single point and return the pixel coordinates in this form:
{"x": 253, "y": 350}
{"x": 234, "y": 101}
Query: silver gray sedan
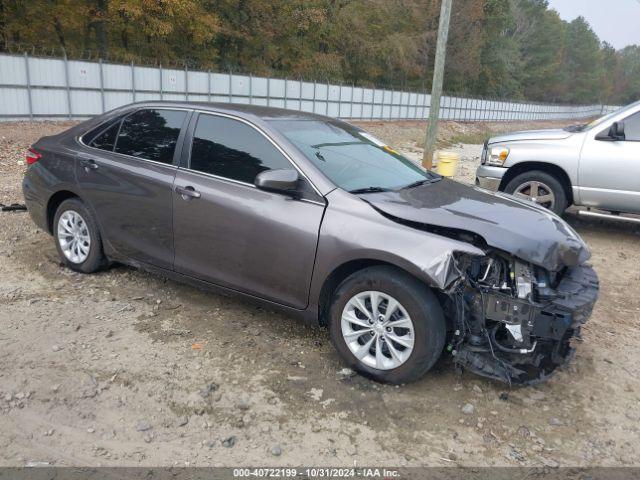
{"x": 316, "y": 217}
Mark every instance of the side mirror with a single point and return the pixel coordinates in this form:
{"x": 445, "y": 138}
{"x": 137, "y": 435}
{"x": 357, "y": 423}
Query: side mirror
{"x": 614, "y": 134}
{"x": 281, "y": 180}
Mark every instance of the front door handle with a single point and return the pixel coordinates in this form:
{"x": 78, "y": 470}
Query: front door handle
{"x": 188, "y": 192}
{"x": 89, "y": 164}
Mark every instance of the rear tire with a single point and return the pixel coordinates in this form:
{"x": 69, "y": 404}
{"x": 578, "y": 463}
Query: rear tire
{"x": 417, "y": 308}
{"x": 77, "y": 237}
{"x": 544, "y": 183}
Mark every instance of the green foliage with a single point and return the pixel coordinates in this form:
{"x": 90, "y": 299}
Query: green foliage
{"x": 500, "y": 72}
{"x": 582, "y": 62}
{"x": 626, "y": 76}
{"x": 539, "y": 33}
{"x": 517, "y": 49}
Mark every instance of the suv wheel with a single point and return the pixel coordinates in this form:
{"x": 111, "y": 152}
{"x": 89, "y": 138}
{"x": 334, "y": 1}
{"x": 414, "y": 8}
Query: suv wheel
{"x": 77, "y": 237}
{"x": 541, "y": 188}
{"x": 387, "y": 325}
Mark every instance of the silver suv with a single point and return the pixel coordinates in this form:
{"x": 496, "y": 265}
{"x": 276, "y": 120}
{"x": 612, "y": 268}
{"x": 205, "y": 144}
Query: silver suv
{"x": 596, "y": 165}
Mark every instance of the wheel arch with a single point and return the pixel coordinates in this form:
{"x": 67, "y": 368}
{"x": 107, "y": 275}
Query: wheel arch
{"x": 341, "y": 272}
{"x": 54, "y": 202}
{"x": 550, "y": 168}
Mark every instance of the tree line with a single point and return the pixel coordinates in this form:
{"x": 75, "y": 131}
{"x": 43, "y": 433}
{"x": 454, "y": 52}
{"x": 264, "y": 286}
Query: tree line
{"x": 516, "y": 49}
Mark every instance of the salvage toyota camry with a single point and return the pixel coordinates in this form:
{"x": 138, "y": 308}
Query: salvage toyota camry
{"x": 318, "y": 218}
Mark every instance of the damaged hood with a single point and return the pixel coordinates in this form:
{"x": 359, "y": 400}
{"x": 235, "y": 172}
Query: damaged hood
{"x": 527, "y": 135}
{"x": 520, "y": 228}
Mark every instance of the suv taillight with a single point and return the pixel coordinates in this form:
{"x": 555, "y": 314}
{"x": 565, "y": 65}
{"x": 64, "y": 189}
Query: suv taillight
{"x": 33, "y": 156}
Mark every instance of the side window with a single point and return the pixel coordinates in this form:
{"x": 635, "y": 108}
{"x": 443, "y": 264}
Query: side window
{"x": 632, "y": 128}
{"x": 107, "y": 139}
{"x": 151, "y": 134}
{"x": 231, "y": 149}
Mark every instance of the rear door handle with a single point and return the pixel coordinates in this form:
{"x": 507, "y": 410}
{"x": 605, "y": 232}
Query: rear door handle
{"x": 188, "y": 192}
{"x": 89, "y": 164}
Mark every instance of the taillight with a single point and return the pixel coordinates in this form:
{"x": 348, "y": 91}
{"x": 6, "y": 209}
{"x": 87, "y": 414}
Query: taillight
{"x": 33, "y": 156}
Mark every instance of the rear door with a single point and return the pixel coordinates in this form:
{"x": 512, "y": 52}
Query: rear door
{"x": 230, "y": 233}
{"x": 126, "y": 173}
{"x": 609, "y": 172}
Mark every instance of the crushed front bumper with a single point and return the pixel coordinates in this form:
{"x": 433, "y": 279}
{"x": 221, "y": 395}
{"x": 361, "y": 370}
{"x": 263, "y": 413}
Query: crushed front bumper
{"x": 548, "y": 327}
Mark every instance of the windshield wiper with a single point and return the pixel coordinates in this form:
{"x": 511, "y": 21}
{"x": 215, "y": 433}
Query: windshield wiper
{"x": 369, "y": 190}
{"x": 420, "y": 182}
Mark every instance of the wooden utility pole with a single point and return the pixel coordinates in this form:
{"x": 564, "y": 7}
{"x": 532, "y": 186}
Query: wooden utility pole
{"x": 436, "y": 87}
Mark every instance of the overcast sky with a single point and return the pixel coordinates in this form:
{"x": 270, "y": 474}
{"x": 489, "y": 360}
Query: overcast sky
{"x": 615, "y": 21}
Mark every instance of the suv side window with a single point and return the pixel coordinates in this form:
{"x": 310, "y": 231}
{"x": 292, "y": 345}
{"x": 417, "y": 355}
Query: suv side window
{"x": 232, "y": 149}
{"x": 151, "y": 134}
{"x": 632, "y": 128}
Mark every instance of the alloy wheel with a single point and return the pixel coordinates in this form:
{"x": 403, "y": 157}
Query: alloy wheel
{"x": 377, "y": 330}
{"x": 537, "y": 192}
{"x": 73, "y": 236}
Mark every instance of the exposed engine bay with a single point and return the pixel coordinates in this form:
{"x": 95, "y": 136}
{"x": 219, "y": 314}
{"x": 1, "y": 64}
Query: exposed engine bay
{"x": 514, "y": 321}
{"x": 515, "y": 304}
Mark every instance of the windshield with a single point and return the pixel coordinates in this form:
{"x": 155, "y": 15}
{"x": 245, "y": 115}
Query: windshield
{"x": 351, "y": 158}
{"x": 599, "y": 120}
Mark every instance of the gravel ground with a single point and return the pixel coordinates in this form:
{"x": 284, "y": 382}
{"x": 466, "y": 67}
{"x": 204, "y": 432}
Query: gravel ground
{"x": 127, "y": 368}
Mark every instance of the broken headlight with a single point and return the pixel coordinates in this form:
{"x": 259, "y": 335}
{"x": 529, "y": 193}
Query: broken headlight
{"x": 514, "y": 321}
{"x": 522, "y": 279}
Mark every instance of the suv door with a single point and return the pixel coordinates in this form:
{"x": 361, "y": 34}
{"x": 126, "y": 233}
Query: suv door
{"x": 609, "y": 171}
{"x": 126, "y": 174}
{"x": 229, "y": 232}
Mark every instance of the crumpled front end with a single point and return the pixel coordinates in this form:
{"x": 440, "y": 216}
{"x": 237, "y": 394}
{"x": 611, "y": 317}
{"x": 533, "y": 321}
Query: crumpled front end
{"x": 513, "y": 321}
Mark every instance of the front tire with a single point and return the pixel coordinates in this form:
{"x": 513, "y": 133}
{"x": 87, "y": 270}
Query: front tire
{"x": 77, "y": 237}
{"x": 541, "y": 188}
{"x": 387, "y": 325}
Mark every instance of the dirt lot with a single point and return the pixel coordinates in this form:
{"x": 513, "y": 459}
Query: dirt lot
{"x": 126, "y": 368}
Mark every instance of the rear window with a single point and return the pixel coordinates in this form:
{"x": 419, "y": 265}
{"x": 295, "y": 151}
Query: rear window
{"x": 103, "y": 136}
{"x": 106, "y": 139}
{"x": 151, "y": 134}
{"x": 632, "y": 128}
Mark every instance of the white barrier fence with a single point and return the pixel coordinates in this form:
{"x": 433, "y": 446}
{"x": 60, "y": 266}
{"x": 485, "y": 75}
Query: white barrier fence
{"x": 54, "y": 88}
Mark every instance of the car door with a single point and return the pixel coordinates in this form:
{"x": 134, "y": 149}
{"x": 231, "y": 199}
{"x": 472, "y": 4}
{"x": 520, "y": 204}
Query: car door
{"x": 125, "y": 173}
{"x": 609, "y": 170}
{"x": 227, "y": 231}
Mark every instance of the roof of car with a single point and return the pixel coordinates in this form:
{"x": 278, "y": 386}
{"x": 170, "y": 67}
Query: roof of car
{"x": 242, "y": 110}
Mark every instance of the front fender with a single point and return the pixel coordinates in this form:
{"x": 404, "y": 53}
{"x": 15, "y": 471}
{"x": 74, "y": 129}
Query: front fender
{"x": 353, "y": 230}
{"x": 561, "y": 154}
